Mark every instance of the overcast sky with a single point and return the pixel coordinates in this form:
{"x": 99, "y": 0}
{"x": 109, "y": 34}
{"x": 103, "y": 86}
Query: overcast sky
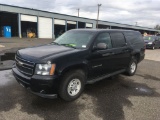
{"x": 145, "y": 12}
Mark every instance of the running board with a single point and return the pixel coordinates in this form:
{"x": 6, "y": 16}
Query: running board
{"x": 105, "y": 76}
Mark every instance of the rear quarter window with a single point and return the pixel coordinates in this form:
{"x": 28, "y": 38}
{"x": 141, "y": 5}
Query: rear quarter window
{"x": 133, "y": 37}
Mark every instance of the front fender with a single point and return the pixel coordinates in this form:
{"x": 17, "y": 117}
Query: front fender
{"x": 80, "y": 64}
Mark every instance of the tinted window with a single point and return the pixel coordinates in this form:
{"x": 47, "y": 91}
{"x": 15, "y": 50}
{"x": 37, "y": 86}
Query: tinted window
{"x": 104, "y": 38}
{"x": 133, "y": 37}
{"x": 77, "y": 39}
{"x": 118, "y": 39}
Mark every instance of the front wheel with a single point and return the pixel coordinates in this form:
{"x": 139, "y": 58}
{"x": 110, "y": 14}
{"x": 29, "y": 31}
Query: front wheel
{"x": 132, "y": 67}
{"x": 72, "y": 85}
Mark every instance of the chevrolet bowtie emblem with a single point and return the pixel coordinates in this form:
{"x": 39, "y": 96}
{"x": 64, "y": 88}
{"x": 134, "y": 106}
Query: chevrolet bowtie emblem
{"x": 20, "y": 63}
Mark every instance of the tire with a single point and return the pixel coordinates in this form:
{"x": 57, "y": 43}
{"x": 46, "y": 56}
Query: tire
{"x": 72, "y": 85}
{"x": 132, "y": 67}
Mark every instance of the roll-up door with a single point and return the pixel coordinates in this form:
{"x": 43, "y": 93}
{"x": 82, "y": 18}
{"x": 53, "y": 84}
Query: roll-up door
{"x": 59, "y": 27}
{"x": 71, "y": 22}
{"x": 59, "y": 22}
{"x": 45, "y": 27}
{"x": 29, "y": 18}
{"x": 89, "y": 25}
{"x": 71, "y": 25}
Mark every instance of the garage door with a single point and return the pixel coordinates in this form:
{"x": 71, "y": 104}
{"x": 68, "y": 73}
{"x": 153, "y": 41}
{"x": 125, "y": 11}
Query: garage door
{"x": 29, "y": 18}
{"x": 45, "y": 27}
{"x": 59, "y": 22}
{"x": 89, "y": 25}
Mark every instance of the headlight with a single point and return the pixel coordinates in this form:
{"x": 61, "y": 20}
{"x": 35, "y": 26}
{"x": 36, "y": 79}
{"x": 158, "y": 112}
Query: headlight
{"x": 150, "y": 43}
{"x": 45, "y": 69}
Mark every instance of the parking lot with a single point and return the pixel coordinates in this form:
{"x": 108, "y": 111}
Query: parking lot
{"x": 119, "y": 98}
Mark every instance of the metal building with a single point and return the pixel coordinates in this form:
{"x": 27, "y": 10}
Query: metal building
{"x": 26, "y": 22}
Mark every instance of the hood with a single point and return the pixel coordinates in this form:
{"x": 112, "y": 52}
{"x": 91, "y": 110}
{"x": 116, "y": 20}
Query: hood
{"x": 147, "y": 41}
{"x": 40, "y": 52}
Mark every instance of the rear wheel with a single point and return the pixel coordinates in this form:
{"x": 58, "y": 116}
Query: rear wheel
{"x": 72, "y": 85}
{"x": 132, "y": 67}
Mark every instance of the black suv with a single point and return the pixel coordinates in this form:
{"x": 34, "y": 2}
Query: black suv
{"x": 76, "y": 58}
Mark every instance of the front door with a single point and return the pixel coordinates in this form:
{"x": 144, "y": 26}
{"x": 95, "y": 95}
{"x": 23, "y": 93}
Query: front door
{"x": 101, "y": 62}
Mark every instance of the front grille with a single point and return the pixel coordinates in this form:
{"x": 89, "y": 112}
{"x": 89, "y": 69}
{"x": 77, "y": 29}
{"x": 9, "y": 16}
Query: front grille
{"x": 24, "y": 66}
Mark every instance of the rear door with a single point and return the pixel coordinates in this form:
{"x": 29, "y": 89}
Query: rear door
{"x": 121, "y": 51}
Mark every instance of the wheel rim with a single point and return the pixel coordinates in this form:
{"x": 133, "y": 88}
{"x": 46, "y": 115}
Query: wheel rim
{"x": 133, "y": 67}
{"x": 74, "y": 87}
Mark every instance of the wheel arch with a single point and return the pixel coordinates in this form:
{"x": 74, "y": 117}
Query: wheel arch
{"x": 137, "y": 56}
{"x": 80, "y": 66}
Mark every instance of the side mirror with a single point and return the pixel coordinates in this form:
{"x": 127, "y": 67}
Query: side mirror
{"x": 101, "y": 46}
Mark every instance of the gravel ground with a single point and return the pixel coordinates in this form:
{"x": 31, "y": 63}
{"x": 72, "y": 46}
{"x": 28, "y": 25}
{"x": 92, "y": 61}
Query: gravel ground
{"x": 17, "y": 43}
{"x": 153, "y": 54}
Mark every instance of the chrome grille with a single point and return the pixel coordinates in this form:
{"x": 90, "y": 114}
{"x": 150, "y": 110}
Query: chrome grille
{"x": 24, "y": 66}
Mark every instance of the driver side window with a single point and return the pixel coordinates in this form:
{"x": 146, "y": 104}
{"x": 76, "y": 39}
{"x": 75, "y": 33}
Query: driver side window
{"x": 104, "y": 38}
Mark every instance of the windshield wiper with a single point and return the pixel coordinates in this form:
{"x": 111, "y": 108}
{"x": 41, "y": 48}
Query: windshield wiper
{"x": 55, "y": 43}
{"x": 69, "y": 45}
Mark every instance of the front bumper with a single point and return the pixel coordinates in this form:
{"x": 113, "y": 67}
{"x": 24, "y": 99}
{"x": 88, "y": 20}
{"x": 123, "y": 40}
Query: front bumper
{"x": 43, "y": 86}
{"x": 149, "y": 45}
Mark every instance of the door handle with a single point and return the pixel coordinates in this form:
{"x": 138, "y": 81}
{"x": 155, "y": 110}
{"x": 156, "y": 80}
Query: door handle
{"x": 125, "y": 50}
{"x": 108, "y": 54}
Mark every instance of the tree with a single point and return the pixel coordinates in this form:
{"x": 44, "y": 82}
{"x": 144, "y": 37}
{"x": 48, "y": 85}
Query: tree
{"x": 157, "y": 27}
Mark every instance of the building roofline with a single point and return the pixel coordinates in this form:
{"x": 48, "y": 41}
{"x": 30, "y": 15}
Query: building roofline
{"x": 76, "y": 16}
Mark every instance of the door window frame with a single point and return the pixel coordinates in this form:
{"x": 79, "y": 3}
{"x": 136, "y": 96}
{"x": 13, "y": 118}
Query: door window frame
{"x": 94, "y": 43}
{"x": 124, "y": 39}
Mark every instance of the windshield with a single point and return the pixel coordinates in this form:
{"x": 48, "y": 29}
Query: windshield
{"x": 76, "y": 39}
{"x": 149, "y": 38}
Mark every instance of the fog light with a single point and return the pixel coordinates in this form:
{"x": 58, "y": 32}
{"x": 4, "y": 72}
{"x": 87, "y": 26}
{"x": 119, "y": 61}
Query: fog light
{"x": 43, "y": 91}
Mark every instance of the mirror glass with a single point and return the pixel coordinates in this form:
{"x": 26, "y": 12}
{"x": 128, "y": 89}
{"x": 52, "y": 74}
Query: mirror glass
{"x": 101, "y": 46}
